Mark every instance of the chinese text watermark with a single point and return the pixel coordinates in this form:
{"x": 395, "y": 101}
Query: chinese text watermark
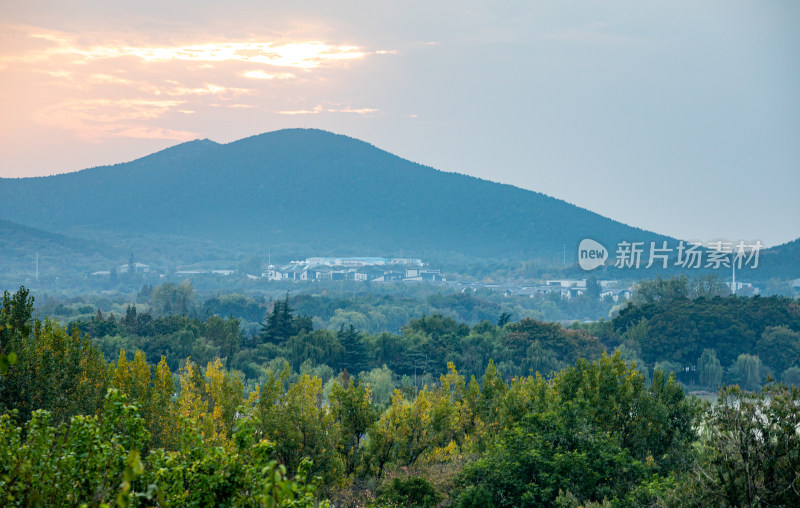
{"x": 714, "y": 255}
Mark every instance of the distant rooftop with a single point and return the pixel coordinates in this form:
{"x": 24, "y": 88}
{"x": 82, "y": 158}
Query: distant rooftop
{"x": 359, "y": 261}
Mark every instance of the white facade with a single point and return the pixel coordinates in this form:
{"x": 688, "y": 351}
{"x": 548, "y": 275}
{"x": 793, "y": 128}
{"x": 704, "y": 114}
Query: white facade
{"x": 137, "y": 268}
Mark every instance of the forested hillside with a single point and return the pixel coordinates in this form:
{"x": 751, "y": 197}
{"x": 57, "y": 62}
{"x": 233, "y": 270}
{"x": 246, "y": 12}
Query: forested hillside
{"x": 134, "y": 432}
{"x": 670, "y": 325}
{"x": 58, "y": 254}
{"x": 299, "y": 193}
{"x": 304, "y": 192}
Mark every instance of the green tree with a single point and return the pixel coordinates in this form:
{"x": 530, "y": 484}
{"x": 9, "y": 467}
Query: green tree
{"x": 352, "y": 407}
{"x": 15, "y": 326}
{"x": 541, "y": 455}
{"x": 300, "y": 424}
{"x": 168, "y": 299}
{"x": 667, "y": 367}
{"x": 709, "y": 369}
{"x": 592, "y": 288}
{"x": 781, "y": 345}
{"x": 708, "y": 286}
{"x": 412, "y": 491}
{"x": 381, "y": 384}
{"x": 356, "y": 357}
{"x": 596, "y": 431}
{"x": 752, "y": 448}
{"x": 88, "y": 459}
{"x": 58, "y": 371}
{"x": 504, "y": 318}
{"x": 747, "y": 371}
{"x": 280, "y": 324}
{"x": 224, "y": 334}
{"x": 791, "y": 376}
{"x": 660, "y": 291}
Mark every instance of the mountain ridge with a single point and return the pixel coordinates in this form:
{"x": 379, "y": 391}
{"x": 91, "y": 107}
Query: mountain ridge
{"x": 20, "y": 244}
{"x": 311, "y": 190}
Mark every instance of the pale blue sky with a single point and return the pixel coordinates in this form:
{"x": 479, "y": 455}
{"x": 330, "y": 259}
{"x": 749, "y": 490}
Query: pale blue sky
{"x": 675, "y": 116}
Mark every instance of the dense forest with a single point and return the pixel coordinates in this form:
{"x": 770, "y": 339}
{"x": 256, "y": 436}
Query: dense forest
{"x": 183, "y": 405}
{"x": 692, "y": 328}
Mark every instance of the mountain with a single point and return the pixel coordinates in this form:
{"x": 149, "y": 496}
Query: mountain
{"x": 306, "y": 192}
{"x": 781, "y": 261}
{"x": 19, "y": 246}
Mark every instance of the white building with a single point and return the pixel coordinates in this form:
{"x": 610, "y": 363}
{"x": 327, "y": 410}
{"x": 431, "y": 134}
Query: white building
{"x": 137, "y": 268}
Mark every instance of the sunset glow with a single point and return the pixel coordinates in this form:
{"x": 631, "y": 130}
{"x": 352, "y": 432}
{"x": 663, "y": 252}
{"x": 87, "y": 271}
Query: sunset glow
{"x": 98, "y": 86}
{"x": 541, "y": 95}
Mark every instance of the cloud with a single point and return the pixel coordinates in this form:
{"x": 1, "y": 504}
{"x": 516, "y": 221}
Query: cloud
{"x": 358, "y": 111}
{"x": 104, "y": 118}
{"x": 322, "y": 109}
{"x": 102, "y": 85}
{"x": 259, "y": 74}
{"x": 147, "y": 132}
{"x": 316, "y": 110}
{"x": 108, "y": 79}
{"x": 175, "y": 89}
{"x": 69, "y": 49}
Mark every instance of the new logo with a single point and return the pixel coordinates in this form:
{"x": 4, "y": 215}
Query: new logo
{"x": 591, "y": 254}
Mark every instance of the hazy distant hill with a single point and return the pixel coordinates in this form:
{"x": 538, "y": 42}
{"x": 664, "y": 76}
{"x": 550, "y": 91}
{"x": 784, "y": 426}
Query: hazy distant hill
{"x": 20, "y": 244}
{"x": 781, "y": 261}
{"x": 311, "y": 192}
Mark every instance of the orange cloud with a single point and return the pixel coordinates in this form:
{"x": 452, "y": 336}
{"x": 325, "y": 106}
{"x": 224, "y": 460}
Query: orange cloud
{"x": 175, "y": 89}
{"x": 259, "y": 74}
{"x": 103, "y": 118}
{"x": 70, "y": 49}
{"x": 112, "y": 85}
{"x": 320, "y": 109}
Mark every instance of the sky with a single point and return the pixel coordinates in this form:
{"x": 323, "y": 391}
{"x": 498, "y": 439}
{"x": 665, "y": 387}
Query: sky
{"x": 679, "y": 117}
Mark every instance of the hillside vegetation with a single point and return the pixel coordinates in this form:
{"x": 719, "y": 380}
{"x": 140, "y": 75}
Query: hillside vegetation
{"x": 310, "y": 192}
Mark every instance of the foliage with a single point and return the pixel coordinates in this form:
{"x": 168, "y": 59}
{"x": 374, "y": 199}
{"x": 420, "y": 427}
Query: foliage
{"x": 280, "y": 324}
{"x": 169, "y": 298}
{"x": 781, "y": 345}
{"x": 752, "y": 448}
{"x": 710, "y": 369}
{"x": 96, "y": 460}
{"x": 201, "y": 433}
{"x": 227, "y": 209}
{"x": 595, "y": 431}
{"x": 15, "y": 326}
{"x": 413, "y": 492}
{"x": 55, "y": 370}
{"x": 295, "y": 418}
{"x": 682, "y": 329}
{"x": 355, "y": 415}
{"x": 84, "y": 460}
{"x": 213, "y": 475}
{"x": 234, "y": 305}
{"x": 747, "y": 371}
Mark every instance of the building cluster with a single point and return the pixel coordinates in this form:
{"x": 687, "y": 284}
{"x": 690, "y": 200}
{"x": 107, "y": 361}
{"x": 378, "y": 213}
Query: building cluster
{"x": 126, "y": 268}
{"x": 564, "y": 288}
{"x": 569, "y": 288}
{"x": 359, "y": 261}
{"x": 355, "y": 268}
{"x": 743, "y": 288}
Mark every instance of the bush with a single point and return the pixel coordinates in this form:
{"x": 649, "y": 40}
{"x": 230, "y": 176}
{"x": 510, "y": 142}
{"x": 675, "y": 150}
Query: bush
{"x": 410, "y": 491}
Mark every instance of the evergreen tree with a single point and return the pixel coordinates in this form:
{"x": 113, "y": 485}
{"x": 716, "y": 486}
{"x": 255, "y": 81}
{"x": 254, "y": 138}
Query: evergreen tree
{"x": 355, "y": 354}
{"x": 15, "y": 325}
{"x": 504, "y": 318}
{"x": 280, "y": 323}
{"x": 130, "y": 317}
